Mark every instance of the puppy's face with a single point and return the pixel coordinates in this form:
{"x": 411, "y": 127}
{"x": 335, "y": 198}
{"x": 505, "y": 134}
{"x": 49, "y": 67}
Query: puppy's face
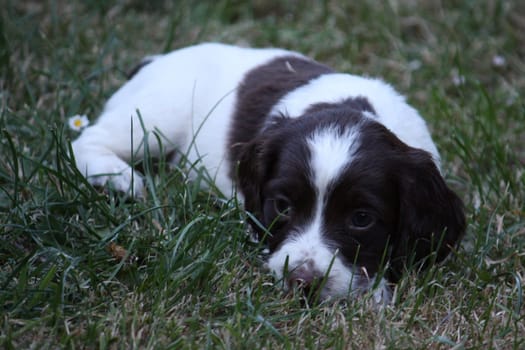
{"x": 340, "y": 197}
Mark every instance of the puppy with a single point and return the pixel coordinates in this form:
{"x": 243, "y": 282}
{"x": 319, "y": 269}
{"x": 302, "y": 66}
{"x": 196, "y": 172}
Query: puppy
{"x": 339, "y": 172}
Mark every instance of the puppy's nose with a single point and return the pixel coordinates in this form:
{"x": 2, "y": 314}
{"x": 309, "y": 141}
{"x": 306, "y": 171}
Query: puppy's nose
{"x": 305, "y": 278}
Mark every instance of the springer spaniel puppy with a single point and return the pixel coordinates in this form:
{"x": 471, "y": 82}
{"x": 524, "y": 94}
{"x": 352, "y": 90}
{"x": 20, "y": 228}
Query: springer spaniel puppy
{"x": 340, "y": 173}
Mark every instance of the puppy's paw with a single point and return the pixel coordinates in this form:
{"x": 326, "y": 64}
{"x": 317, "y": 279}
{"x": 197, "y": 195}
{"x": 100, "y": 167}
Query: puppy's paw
{"x": 122, "y": 179}
{"x": 110, "y": 170}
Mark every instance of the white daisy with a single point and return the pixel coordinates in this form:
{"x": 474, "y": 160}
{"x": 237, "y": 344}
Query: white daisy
{"x": 78, "y": 122}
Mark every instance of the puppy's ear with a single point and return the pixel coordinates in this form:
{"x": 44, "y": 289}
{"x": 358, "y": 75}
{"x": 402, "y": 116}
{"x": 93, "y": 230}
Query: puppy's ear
{"x": 431, "y": 219}
{"x": 249, "y": 175}
{"x": 256, "y": 161}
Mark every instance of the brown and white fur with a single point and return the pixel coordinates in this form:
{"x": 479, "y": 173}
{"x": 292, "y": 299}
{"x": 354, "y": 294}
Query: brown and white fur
{"x": 338, "y": 168}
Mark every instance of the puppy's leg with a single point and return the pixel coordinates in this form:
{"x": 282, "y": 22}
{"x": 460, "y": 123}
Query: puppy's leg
{"x": 187, "y": 95}
{"x": 102, "y": 153}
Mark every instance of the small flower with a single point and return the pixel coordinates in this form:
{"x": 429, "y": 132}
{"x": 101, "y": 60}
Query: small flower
{"x": 78, "y": 122}
{"x": 499, "y": 61}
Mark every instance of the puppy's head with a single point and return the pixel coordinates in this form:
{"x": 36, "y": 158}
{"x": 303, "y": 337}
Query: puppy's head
{"x": 340, "y": 196}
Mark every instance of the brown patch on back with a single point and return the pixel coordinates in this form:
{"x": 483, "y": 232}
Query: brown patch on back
{"x": 260, "y": 90}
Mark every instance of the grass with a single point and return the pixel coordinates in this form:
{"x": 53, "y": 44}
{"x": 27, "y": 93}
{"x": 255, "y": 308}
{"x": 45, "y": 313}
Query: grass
{"x": 81, "y": 269}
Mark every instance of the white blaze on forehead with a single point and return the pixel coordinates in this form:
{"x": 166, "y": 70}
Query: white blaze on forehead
{"x": 331, "y": 152}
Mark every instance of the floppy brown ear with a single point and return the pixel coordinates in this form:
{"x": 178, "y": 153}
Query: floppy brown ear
{"x": 252, "y": 168}
{"x": 249, "y": 176}
{"x": 256, "y": 160}
{"x": 431, "y": 216}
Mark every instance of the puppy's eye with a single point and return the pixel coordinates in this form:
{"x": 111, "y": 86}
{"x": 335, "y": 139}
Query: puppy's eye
{"x": 282, "y": 207}
{"x": 361, "y": 219}
{"x": 277, "y": 210}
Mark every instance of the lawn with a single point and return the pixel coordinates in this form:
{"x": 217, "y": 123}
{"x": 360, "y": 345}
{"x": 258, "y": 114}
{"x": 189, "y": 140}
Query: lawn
{"x": 80, "y": 268}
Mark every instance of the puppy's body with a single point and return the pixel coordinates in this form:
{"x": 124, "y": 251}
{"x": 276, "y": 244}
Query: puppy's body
{"x": 339, "y": 168}
{"x": 189, "y": 96}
